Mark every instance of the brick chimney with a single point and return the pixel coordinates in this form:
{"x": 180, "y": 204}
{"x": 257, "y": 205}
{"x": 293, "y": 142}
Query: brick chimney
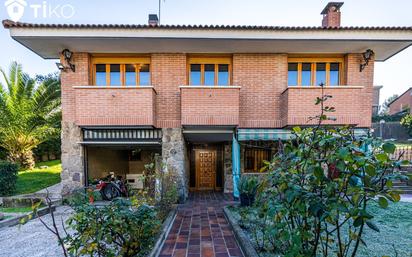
{"x": 331, "y": 14}
{"x": 153, "y": 20}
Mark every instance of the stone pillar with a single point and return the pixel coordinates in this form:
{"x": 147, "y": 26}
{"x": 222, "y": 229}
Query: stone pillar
{"x": 227, "y": 163}
{"x": 72, "y": 175}
{"x": 175, "y": 158}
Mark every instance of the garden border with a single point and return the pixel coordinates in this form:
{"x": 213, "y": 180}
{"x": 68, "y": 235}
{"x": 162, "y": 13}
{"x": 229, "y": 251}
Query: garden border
{"x": 14, "y": 221}
{"x": 167, "y": 225}
{"x": 247, "y": 248}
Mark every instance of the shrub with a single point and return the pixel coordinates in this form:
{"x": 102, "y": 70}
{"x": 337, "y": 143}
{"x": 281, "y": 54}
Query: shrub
{"x": 116, "y": 229}
{"x": 8, "y": 177}
{"x": 247, "y": 186}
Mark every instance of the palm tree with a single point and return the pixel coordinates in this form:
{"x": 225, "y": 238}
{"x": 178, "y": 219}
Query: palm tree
{"x": 28, "y": 111}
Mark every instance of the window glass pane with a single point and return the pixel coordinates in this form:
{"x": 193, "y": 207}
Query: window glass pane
{"x": 334, "y": 74}
{"x": 115, "y": 75}
{"x": 144, "y": 74}
{"x": 209, "y": 74}
{"x": 306, "y": 74}
{"x": 195, "y": 76}
{"x": 100, "y": 74}
{"x": 320, "y": 73}
{"x": 130, "y": 75}
{"x": 223, "y": 76}
{"x": 292, "y": 74}
{"x": 254, "y": 159}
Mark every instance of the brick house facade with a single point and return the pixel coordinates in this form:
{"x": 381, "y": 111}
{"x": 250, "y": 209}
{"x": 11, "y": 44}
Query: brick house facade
{"x": 401, "y": 103}
{"x": 205, "y": 132}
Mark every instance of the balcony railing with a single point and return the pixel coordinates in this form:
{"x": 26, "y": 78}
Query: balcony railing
{"x": 210, "y": 105}
{"x": 115, "y": 106}
{"x": 352, "y": 105}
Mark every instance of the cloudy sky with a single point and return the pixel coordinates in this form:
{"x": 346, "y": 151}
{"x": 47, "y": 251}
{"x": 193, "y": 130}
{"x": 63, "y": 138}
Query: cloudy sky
{"x": 394, "y": 74}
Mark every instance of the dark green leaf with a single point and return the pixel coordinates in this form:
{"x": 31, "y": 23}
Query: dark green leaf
{"x": 372, "y": 225}
{"x": 383, "y": 202}
{"x": 357, "y": 222}
{"x": 370, "y": 170}
{"x": 388, "y": 148}
{"x": 319, "y": 172}
{"x": 381, "y": 157}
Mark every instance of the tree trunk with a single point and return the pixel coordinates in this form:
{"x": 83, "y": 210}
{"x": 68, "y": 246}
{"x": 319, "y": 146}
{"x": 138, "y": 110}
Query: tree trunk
{"x": 25, "y": 159}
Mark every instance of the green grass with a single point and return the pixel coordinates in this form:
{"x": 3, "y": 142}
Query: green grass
{"x": 15, "y": 210}
{"x": 30, "y": 181}
{"x": 395, "y": 225}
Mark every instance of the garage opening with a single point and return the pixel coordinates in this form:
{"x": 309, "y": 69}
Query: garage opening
{"x": 120, "y": 152}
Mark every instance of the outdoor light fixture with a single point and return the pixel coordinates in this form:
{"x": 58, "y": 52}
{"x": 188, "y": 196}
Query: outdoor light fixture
{"x": 367, "y": 56}
{"x": 60, "y": 66}
{"x": 67, "y": 54}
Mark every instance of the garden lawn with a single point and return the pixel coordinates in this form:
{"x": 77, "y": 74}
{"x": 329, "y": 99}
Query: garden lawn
{"x": 30, "y": 181}
{"x": 16, "y": 210}
{"x": 394, "y": 238}
{"x": 395, "y": 225}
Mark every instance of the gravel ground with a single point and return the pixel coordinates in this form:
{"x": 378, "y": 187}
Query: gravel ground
{"x": 32, "y": 239}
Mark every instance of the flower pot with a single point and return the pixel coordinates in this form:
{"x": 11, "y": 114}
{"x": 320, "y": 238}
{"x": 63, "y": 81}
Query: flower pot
{"x": 247, "y": 199}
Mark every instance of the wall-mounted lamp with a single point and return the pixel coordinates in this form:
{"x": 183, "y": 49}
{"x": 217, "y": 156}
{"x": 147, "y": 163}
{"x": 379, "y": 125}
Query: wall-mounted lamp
{"x": 68, "y": 58}
{"x": 367, "y": 56}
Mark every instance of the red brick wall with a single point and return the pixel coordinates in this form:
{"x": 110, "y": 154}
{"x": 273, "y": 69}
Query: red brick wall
{"x": 263, "y": 77}
{"x": 354, "y": 77}
{"x": 301, "y": 106}
{"x": 126, "y": 106}
{"x": 332, "y": 19}
{"x": 210, "y": 106}
{"x": 401, "y": 103}
{"x": 70, "y": 79}
{"x": 168, "y": 73}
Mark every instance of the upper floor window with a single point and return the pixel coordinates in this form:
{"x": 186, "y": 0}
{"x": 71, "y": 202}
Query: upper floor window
{"x": 314, "y": 71}
{"x": 121, "y": 71}
{"x": 209, "y": 71}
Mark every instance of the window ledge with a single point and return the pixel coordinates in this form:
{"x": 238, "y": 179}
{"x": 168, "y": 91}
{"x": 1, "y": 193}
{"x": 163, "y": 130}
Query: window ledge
{"x": 115, "y": 87}
{"x": 326, "y": 87}
{"x": 112, "y": 87}
{"x": 213, "y": 87}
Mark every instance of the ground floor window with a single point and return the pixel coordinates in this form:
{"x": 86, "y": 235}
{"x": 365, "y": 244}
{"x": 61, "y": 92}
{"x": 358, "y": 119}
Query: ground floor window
{"x": 255, "y": 157}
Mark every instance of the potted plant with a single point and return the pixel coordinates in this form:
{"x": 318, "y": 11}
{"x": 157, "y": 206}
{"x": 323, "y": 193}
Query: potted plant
{"x": 248, "y": 186}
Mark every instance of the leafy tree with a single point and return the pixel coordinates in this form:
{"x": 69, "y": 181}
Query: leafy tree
{"x": 406, "y": 122}
{"x": 28, "y": 111}
{"x": 385, "y": 105}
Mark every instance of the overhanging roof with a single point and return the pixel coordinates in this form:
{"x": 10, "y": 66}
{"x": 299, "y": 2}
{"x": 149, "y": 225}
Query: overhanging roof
{"x": 48, "y": 40}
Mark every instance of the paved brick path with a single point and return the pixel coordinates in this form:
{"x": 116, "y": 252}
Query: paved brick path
{"x": 201, "y": 229}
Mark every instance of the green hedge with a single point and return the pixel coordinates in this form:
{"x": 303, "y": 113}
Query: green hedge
{"x": 8, "y": 178}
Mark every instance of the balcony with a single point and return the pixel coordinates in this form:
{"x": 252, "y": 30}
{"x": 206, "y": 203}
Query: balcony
{"x": 353, "y": 105}
{"x": 115, "y": 106}
{"x": 210, "y": 105}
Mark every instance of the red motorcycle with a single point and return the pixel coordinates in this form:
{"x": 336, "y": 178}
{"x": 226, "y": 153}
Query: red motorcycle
{"x": 112, "y": 187}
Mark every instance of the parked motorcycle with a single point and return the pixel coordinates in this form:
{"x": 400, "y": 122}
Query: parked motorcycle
{"x": 112, "y": 187}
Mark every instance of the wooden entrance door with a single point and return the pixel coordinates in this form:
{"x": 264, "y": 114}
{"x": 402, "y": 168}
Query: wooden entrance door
{"x": 205, "y": 169}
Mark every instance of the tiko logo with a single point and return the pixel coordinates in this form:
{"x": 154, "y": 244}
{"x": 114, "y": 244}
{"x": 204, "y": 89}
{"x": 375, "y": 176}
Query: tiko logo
{"x": 15, "y": 9}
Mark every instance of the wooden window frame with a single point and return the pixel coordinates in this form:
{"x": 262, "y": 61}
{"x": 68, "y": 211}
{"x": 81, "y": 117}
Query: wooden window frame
{"x": 202, "y": 61}
{"x": 123, "y": 61}
{"x": 314, "y": 61}
{"x": 256, "y": 168}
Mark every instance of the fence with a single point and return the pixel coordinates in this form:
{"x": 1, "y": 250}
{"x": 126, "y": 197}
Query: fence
{"x": 390, "y": 130}
{"x": 402, "y": 153}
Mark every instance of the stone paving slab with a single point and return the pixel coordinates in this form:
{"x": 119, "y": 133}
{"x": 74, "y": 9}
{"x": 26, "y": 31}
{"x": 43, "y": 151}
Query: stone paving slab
{"x": 201, "y": 229}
